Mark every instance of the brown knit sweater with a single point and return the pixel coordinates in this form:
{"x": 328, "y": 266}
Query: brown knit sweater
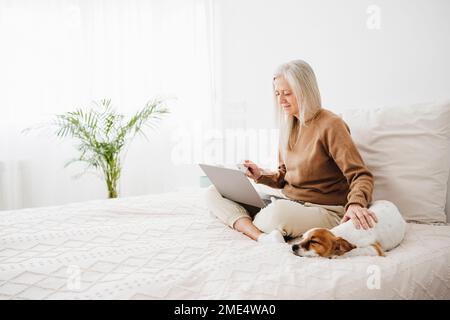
{"x": 324, "y": 166}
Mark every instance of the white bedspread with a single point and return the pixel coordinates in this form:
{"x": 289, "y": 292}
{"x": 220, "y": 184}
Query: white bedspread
{"x": 169, "y": 247}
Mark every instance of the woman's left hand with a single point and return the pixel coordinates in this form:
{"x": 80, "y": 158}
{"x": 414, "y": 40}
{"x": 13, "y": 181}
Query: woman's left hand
{"x": 361, "y": 217}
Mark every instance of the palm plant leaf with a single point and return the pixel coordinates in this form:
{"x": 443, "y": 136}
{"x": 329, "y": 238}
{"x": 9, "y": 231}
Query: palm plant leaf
{"x": 101, "y": 135}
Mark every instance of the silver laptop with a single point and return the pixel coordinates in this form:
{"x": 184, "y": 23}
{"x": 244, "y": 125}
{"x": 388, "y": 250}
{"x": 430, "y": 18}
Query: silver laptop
{"x": 233, "y": 184}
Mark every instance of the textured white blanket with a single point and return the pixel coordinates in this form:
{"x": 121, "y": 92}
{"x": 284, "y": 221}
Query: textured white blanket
{"x": 169, "y": 247}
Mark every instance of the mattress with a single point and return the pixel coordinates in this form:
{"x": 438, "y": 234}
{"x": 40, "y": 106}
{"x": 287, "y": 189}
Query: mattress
{"x": 168, "y": 246}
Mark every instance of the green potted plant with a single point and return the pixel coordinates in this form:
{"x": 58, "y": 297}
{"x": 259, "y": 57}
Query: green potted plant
{"x": 102, "y": 135}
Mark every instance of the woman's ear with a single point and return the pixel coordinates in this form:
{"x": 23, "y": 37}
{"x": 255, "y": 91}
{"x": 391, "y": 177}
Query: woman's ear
{"x": 342, "y": 246}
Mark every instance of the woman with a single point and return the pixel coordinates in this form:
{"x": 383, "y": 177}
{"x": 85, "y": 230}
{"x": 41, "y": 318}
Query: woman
{"x": 320, "y": 170}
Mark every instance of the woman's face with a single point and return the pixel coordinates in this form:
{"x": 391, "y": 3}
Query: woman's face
{"x": 285, "y": 97}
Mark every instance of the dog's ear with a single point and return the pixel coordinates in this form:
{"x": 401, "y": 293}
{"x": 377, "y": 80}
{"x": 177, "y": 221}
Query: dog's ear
{"x": 342, "y": 246}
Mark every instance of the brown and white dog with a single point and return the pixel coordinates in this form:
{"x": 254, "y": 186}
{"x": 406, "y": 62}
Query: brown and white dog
{"x": 345, "y": 240}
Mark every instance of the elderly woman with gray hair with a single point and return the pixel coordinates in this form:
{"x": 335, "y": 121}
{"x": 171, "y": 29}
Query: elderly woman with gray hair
{"x": 321, "y": 173}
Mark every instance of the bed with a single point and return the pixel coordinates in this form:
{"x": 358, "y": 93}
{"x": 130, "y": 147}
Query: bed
{"x": 168, "y": 246}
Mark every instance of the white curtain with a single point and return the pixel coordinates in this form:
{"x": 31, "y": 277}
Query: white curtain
{"x": 58, "y": 55}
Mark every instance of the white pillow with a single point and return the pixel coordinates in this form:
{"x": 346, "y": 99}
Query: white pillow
{"x": 407, "y": 149}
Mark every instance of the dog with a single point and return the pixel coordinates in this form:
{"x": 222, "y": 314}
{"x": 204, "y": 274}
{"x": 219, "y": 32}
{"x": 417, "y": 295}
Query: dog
{"x": 345, "y": 240}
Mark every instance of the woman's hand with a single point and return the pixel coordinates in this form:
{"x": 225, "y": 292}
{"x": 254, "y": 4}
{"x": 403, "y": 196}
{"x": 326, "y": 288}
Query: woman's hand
{"x": 253, "y": 171}
{"x": 360, "y": 217}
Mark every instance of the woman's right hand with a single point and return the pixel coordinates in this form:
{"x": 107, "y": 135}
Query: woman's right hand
{"x": 253, "y": 171}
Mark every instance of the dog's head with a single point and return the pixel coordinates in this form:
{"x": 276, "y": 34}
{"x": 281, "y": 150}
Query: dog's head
{"x": 320, "y": 242}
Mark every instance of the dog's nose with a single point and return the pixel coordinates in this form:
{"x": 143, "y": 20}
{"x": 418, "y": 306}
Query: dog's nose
{"x": 295, "y": 247}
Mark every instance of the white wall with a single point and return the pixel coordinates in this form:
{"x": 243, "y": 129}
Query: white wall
{"x": 406, "y": 61}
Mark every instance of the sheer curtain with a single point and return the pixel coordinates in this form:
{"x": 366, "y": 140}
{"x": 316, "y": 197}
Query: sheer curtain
{"x": 57, "y": 55}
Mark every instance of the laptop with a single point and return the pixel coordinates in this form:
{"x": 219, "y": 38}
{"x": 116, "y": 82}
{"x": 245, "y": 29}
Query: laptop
{"x": 234, "y": 185}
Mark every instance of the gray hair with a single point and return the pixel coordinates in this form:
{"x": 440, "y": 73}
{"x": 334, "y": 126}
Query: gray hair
{"x": 303, "y": 83}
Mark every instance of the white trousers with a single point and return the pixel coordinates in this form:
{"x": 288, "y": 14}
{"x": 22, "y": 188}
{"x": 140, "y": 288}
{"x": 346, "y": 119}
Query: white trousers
{"x": 289, "y": 217}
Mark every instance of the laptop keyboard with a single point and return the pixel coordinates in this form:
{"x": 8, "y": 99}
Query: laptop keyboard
{"x": 266, "y": 199}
